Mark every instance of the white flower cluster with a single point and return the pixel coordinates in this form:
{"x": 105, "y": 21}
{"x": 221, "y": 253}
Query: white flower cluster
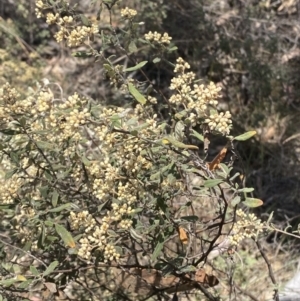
{"x": 198, "y": 99}
{"x": 79, "y": 34}
{"x": 128, "y": 13}
{"x": 247, "y": 226}
{"x": 9, "y": 189}
{"x": 81, "y": 219}
{"x": 220, "y": 122}
{"x": 110, "y": 253}
{"x": 160, "y": 39}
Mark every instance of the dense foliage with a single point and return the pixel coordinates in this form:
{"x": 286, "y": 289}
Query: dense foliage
{"x": 137, "y": 192}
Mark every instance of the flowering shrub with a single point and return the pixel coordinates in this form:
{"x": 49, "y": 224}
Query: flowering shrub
{"x": 123, "y": 192}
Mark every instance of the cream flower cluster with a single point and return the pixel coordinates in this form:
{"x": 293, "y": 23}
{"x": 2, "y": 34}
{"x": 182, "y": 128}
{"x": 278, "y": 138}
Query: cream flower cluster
{"x": 220, "y": 122}
{"x": 95, "y": 236}
{"x": 9, "y": 189}
{"x": 121, "y": 158}
{"x": 81, "y": 219}
{"x": 79, "y": 34}
{"x": 199, "y": 101}
{"x": 43, "y": 103}
{"x": 128, "y": 13}
{"x": 68, "y": 30}
{"x": 158, "y": 38}
{"x": 8, "y": 105}
{"x": 110, "y": 253}
{"x": 247, "y": 226}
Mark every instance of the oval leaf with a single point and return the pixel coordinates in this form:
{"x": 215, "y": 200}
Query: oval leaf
{"x": 61, "y": 208}
{"x": 156, "y": 60}
{"x": 158, "y": 248}
{"x": 212, "y": 183}
{"x": 246, "y": 190}
{"x": 55, "y": 197}
{"x": 65, "y": 236}
{"x": 252, "y": 202}
{"x": 34, "y": 271}
{"x": 245, "y": 136}
{"x": 51, "y": 268}
{"x": 44, "y": 145}
{"x": 136, "y": 67}
{"x": 173, "y": 141}
{"x": 197, "y": 135}
{"x": 136, "y": 94}
{"x": 235, "y": 201}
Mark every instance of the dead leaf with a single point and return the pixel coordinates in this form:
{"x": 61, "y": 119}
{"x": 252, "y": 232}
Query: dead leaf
{"x": 183, "y": 235}
{"x": 214, "y": 164}
{"x": 203, "y": 278}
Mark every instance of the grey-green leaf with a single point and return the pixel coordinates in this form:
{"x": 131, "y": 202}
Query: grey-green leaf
{"x": 136, "y": 67}
{"x": 245, "y": 136}
{"x": 212, "y": 182}
{"x": 65, "y": 235}
{"x": 136, "y": 94}
{"x": 51, "y": 268}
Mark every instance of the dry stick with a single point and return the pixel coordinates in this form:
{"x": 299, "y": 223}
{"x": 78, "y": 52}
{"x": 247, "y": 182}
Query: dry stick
{"x": 25, "y": 252}
{"x": 276, "y": 296}
{"x": 245, "y": 293}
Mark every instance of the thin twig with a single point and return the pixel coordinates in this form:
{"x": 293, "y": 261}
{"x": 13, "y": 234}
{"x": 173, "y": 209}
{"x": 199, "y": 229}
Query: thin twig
{"x": 263, "y": 254}
{"x": 245, "y": 293}
{"x": 21, "y": 250}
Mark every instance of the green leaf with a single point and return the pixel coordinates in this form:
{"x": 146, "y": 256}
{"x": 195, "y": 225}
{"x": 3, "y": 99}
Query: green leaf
{"x": 188, "y": 269}
{"x": 132, "y": 47}
{"x": 235, "y": 201}
{"x": 156, "y": 60}
{"x": 55, "y": 197}
{"x": 270, "y": 218}
{"x": 65, "y": 235}
{"x": 61, "y": 207}
{"x": 24, "y": 285}
{"x": 158, "y": 248}
{"x": 181, "y": 114}
{"x": 41, "y": 238}
{"x": 8, "y": 282}
{"x": 212, "y": 182}
{"x": 9, "y": 132}
{"x": 49, "y": 223}
{"x": 44, "y": 191}
{"x": 14, "y": 157}
{"x": 51, "y": 268}
{"x": 136, "y": 94}
{"x": 246, "y": 190}
{"x": 197, "y": 135}
{"x": 23, "y": 121}
{"x": 245, "y": 136}
{"x": 44, "y": 145}
{"x": 37, "y": 286}
{"x": 225, "y": 168}
{"x": 235, "y": 176}
{"x": 173, "y": 141}
{"x": 135, "y": 235}
{"x": 252, "y": 202}
{"x": 34, "y": 271}
{"x": 85, "y": 161}
{"x": 10, "y": 173}
{"x": 136, "y": 67}
{"x": 179, "y": 130}
{"x": 112, "y": 233}
{"x": 172, "y": 49}
{"x": 85, "y": 20}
